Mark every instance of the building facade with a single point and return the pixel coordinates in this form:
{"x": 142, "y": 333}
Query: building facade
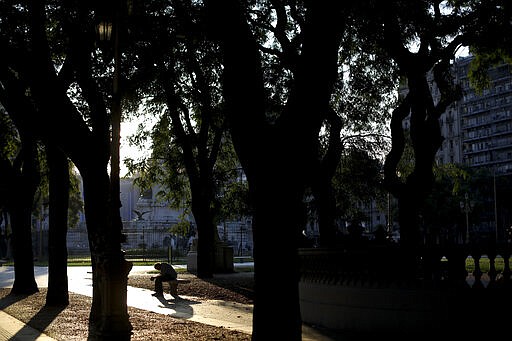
{"x": 478, "y": 128}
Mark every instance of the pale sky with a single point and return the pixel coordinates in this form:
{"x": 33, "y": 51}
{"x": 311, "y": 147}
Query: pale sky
{"x": 128, "y": 128}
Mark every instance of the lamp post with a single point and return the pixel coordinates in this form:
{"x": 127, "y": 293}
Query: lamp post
{"x": 106, "y": 30}
{"x": 495, "y": 207}
{"x": 240, "y": 252}
{"x": 466, "y": 207}
{"x": 111, "y": 315}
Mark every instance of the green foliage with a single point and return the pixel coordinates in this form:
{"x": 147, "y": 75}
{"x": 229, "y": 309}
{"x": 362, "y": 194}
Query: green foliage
{"x": 234, "y": 200}
{"x": 41, "y": 200}
{"x": 191, "y": 155}
{"x": 490, "y": 38}
{"x": 173, "y": 69}
{"x": 458, "y": 175}
{"x": 356, "y": 183}
{"x": 441, "y": 209}
{"x": 182, "y": 228}
{"x": 9, "y": 138}
{"x": 76, "y": 204}
{"x": 479, "y": 68}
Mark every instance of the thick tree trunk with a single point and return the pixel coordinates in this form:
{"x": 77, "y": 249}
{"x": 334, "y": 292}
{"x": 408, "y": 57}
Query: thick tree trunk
{"x": 205, "y": 240}
{"x": 21, "y": 241}
{"x": 276, "y": 225}
{"x": 322, "y": 183}
{"x": 109, "y": 318}
{"x": 277, "y": 157}
{"x": 57, "y": 249}
{"x": 26, "y": 182}
{"x": 326, "y": 208}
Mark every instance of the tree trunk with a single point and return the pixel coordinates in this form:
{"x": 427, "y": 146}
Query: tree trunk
{"x": 277, "y": 156}
{"x": 57, "y": 249}
{"x": 276, "y": 225}
{"x": 20, "y": 238}
{"x": 109, "y": 318}
{"x": 27, "y": 180}
{"x": 205, "y": 239}
{"x": 322, "y": 183}
{"x": 21, "y": 241}
{"x": 202, "y": 197}
{"x": 326, "y": 208}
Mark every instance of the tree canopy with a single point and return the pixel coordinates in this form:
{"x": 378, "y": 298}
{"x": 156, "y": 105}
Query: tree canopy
{"x": 286, "y": 82}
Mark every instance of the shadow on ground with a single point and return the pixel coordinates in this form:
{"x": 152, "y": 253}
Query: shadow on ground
{"x": 180, "y": 305}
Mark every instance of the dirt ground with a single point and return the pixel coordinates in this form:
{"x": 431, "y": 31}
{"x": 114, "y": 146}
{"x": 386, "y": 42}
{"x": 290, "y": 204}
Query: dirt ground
{"x": 71, "y": 323}
{"x": 234, "y": 287}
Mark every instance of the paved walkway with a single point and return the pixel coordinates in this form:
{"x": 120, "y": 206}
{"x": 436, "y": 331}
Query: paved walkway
{"x": 212, "y": 312}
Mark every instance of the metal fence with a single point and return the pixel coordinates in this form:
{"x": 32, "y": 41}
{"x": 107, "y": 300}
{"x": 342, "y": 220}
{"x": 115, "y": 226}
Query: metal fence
{"x": 153, "y": 243}
{"x": 148, "y": 242}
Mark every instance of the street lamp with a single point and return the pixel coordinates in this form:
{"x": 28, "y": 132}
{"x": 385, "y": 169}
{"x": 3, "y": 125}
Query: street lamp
{"x": 240, "y": 252}
{"x": 108, "y": 30}
{"x": 466, "y": 207}
{"x": 104, "y": 30}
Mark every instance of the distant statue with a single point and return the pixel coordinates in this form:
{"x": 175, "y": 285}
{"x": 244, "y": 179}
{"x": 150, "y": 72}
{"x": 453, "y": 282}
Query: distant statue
{"x": 140, "y": 214}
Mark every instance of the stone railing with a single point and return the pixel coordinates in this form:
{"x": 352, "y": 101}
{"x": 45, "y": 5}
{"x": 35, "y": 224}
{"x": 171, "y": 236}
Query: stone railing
{"x": 368, "y": 288}
{"x": 483, "y": 266}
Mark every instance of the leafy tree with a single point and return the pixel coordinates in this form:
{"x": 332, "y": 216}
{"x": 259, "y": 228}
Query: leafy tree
{"x": 76, "y": 204}
{"x": 233, "y": 197}
{"x": 422, "y": 44}
{"x": 417, "y": 37}
{"x": 437, "y": 37}
{"x": 490, "y": 38}
{"x": 50, "y": 38}
{"x": 20, "y": 179}
{"x": 277, "y": 145}
{"x": 190, "y": 148}
{"x": 441, "y": 212}
{"x": 58, "y": 191}
{"x": 357, "y": 181}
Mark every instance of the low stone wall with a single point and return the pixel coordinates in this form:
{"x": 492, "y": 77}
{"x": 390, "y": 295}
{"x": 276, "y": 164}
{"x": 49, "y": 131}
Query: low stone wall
{"x": 373, "y": 309}
{"x": 360, "y": 301}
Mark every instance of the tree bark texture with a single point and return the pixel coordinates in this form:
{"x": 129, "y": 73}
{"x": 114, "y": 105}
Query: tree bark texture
{"x": 109, "y": 314}
{"x": 58, "y": 165}
{"x": 26, "y": 180}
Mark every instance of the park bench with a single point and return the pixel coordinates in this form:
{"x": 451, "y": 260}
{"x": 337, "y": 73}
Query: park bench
{"x": 173, "y": 285}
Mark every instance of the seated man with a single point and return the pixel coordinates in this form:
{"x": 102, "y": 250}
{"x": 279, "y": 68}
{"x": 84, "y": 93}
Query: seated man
{"x": 167, "y": 273}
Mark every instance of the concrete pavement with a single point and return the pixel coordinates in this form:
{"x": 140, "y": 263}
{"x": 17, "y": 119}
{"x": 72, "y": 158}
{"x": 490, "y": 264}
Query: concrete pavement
{"x": 229, "y": 315}
{"x": 213, "y": 312}
{"x": 13, "y": 329}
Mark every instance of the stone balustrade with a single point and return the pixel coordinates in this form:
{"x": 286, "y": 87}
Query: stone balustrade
{"x": 374, "y": 288}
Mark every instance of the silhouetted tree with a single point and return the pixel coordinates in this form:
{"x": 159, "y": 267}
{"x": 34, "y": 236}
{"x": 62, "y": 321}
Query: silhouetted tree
{"x": 277, "y": 146}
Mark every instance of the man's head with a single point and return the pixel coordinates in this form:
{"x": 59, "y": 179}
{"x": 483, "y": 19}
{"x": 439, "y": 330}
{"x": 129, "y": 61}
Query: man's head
{"x": 158, "y": 266}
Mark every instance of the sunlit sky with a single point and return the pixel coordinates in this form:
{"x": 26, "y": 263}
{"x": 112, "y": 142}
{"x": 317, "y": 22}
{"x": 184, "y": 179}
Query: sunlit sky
{"x": 128, "y": 128}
